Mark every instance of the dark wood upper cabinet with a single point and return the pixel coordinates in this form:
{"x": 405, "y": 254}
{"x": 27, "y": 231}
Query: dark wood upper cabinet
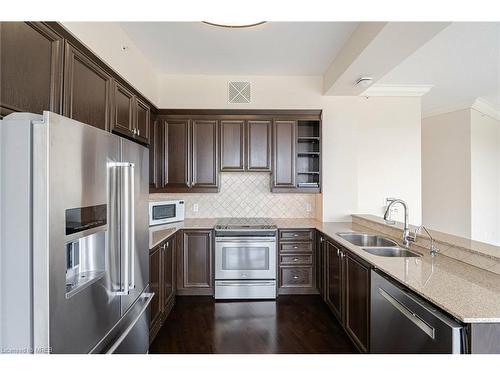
{"x": 334, "y": 279}
{"x": 156, "y": 157}
{"x": 357, "y": 301}
{"x": 285, "y": 143}
{"x": 31, "y": 58}
{"x": 176, "y": 141}
{"x": 130, "y": 116}
{"x": 232, "y": 150}
{"x": 122, "y": 118}
{"x": 258, "y": 148}
{"x": 141, "y": 121}
{"x": 86, "y": 89}
{"x": 284, "y": 138}
{"x": 195, "y": 263}
{"x": 205, "y": 169}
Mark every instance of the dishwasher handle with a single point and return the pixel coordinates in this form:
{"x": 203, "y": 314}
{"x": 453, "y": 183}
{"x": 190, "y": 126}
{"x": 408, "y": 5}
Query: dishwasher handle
{"x": 413, "y": 317}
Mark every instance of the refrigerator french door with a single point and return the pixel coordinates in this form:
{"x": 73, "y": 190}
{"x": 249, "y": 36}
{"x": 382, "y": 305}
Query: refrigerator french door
{"x": 74, "y": 242}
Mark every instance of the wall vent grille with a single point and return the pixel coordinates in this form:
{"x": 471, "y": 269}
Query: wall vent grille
{"x": 239, "y": 92}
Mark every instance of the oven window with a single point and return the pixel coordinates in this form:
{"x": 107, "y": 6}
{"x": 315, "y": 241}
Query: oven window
{"x": 245, "y": 258}
{"x": 166, "y": 211}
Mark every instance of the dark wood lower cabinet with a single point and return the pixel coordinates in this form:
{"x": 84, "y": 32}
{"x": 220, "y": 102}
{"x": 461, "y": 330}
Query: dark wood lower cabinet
{"x": 334, "y": 279}
{"x": 357, "y": 301}
{"x": 162, "y": 270}
{"x": 154, "y": 287}
{"x": 297, "y": 261}
{"x": 195, "y": 263}
{"x": 348, "y": 293}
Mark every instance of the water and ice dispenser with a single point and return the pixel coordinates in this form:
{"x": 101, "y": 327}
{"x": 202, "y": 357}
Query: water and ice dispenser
{"x": 86, "y": 247}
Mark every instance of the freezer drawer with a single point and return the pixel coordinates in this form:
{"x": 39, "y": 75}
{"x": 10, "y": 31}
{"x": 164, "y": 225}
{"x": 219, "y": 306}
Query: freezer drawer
{"x": 402, "y": 322}
{"x": 131, "y": 334}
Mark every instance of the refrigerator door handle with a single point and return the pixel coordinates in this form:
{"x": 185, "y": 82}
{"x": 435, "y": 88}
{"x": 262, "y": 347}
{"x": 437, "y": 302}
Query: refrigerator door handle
{"x": 131, "y": 226}
{"x": 126, "y": 209}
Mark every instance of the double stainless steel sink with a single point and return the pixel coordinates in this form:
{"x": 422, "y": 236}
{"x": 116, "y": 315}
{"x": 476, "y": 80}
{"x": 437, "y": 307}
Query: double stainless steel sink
{"x": 377, "y": 245}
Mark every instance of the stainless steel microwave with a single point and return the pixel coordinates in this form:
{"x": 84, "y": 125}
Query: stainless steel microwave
{"x": 163, "y": 212}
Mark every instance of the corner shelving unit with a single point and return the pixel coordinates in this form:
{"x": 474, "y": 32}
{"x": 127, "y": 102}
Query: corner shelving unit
{"x": 308, "y": 165}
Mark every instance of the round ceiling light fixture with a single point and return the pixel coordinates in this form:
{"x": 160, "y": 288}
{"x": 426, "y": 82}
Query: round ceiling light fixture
{"x": 234, "y": 25}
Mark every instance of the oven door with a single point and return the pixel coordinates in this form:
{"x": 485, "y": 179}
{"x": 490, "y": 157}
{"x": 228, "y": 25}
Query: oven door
{"x": 241, "y": 258}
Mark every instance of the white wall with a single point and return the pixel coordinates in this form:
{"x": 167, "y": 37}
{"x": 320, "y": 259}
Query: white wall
{"x": 368, "y": 145}
{"x": 485, "y": 178}
{"x": 389, "y": 155}
{"x": 106, "y": 40}
{"x": 446, "y": 196}
{"x": 461, "y": 174}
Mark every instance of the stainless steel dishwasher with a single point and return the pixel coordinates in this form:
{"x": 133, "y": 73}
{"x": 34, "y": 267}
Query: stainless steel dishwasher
{"x": 402, "y": 322}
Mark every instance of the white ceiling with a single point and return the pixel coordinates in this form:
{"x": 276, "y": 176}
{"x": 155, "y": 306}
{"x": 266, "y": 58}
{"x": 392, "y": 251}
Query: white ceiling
{"x": 462, "y": 63}
{"x": 274, "y": 48}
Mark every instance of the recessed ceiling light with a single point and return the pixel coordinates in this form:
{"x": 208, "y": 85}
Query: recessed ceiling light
{"x": 364, "y": 81}
{"x": 234, "y": 25}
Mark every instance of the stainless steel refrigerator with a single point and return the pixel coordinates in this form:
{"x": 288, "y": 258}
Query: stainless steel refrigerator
{"x": 74, "y": 266}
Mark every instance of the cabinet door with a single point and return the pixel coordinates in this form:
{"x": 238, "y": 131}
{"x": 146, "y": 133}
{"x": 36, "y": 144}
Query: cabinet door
{"x": 31, "y": 57}
{"x": 86, "y": 90}
{"x": 177, "y": 172}
{"x": 232, "y": 145}
{"x": 197, "y": 260}
{"x": 334, "y": 279}
{"x": 357, "y": 300}
{"x": 122, "y": 119}
{"x": 168, "y": 266}
{"x": 154, "y": 285}
{"x": 142, "y": 114}
{"x": 320, "y": 265}
{"x": 259, "y": 146}
{"x": 284, "y": 154}
{"x": 205, "y": 172}
{"x": 156, "y": 154}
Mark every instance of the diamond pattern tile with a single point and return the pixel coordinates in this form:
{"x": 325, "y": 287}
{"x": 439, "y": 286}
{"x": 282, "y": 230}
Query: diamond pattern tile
{"x": 245, "y": 195}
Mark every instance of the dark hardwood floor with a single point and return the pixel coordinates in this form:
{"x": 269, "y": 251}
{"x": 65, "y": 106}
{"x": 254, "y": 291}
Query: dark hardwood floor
{"x": 292, "y": 324}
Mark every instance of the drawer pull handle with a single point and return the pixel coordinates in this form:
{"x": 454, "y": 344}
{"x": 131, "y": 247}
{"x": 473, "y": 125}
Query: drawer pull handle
{"x": 295, "y": 277}
{"x": 295, "y": 247}
{"x": 295, "y": 235}
{"x": 295, "y": 259}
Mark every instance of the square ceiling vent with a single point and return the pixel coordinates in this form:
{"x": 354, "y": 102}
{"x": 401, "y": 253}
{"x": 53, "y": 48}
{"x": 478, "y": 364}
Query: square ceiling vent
{"x": 239, "y": 92}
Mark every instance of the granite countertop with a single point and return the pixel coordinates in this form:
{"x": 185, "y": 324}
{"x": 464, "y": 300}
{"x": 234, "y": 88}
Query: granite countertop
{"x": 470, "y": 294}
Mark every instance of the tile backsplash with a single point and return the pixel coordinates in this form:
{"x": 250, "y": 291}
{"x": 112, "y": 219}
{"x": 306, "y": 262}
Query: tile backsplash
{"x": 245, "y": 195}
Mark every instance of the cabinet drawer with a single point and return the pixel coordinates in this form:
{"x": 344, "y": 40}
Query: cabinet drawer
{"x": 296, "y": 235}
{"x": 295, "y": 247}
{"x": 295, "y": 259}
{"x": 299, "y": 277}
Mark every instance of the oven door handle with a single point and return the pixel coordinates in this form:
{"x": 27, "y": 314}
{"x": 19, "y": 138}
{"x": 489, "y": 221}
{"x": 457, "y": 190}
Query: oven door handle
{"x": 245, "y": 239}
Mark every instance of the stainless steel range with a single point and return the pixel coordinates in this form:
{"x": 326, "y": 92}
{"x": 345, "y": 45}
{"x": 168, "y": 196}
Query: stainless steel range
{"x": 245, "y": 259}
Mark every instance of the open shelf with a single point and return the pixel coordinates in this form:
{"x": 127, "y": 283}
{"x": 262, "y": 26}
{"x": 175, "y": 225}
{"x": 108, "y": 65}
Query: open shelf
{"x": 308, "y": 153}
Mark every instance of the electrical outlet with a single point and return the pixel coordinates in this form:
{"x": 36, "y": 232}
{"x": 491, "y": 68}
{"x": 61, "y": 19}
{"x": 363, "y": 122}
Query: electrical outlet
{"x": 195, "y": 207}
{"x": 308, "y": 207}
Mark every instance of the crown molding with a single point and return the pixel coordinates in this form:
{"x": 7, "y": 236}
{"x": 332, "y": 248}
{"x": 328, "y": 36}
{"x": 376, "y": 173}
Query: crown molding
{"x": 486, "y": 108}
{"x": 396, "y": 90}
{"x": 479, "y": 104}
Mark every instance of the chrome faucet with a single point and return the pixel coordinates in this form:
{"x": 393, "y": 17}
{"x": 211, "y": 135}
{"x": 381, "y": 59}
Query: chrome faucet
{"x": 407, "y": 238}
{"x": 433, "y": 248}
